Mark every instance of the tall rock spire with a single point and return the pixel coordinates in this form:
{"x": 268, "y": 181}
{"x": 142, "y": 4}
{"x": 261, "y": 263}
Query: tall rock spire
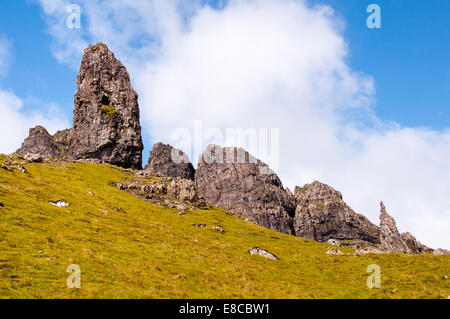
{"x": 391, "y": 240}
{"x": 106, "y": 114}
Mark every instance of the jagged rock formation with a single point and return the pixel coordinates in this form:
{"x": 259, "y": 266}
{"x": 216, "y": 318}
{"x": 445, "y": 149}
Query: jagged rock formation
{"x": 106, "y": 114}
{"x": 106, "y": 129}
{"x": 415, "y": 246}
{"x": 391, "y": 240}
{"x": 40, "y": 142}
{"x": 234, "y": 180}
{"x": 321, "y": 214}
{"x": 166, "y": 160}
{"x": 106, "y": 126}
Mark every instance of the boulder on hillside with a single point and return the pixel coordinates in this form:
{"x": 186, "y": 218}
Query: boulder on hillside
{"x": 234, "y": 180}
{"x": 167, "y": 161}
{"x": 106, "y": 114}
{"x": 391, "y": 240}
{"x": 322, "y": 214}
{"x": 40, "y": 142}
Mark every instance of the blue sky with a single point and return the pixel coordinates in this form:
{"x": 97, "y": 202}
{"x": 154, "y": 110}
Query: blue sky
{"x": 409, "y": 57}
{"x": 392, "y": 145}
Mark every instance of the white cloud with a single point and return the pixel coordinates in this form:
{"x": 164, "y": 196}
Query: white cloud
{"x": 267, "y": 63}
{"x": 14, "y": 122}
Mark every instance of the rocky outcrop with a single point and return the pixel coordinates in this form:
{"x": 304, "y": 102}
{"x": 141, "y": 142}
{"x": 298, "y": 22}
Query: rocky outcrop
{"x": 441, "y": 252}
{"x": 166, "y": 160}
{"x": 61, "y": 138}
{"x": 106, "y": 113}
{"x": 40, "y": 142}
{"x": 232, "y": 179}
{"x": 106, "y": 126}
{"x": 166, "y": 191}
{"x": 322, "y": 214}
{"x": 415, "y": 246}
{"x": 391, "y": 240}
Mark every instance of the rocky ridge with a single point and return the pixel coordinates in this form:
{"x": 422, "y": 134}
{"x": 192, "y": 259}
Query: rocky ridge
{"x": 106, "y": 129}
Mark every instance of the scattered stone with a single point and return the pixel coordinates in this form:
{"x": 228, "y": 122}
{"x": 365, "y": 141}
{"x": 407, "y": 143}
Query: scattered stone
{"x": 33, "y": 158}
{"x": 334, "y": 252}
{"x": 367, "y": 250}
{"x": 103, "y": 211}
{"x": 106, "y": 114}
{"x": 218, "y": 229}
{"x": 142, "y": 174}
{"x": 391, "y": 240}
{"x": 322, "y": 214}
{"x": 262, "y": 252}
{"x": 358, "y": 244}
{"x": 334, "y": 242}
{"x": 166, "y": 160}
{"x": 200, "y": 225}
{"x": 441, "y": 252}
{"x": 234, "y": 180}
{"x": 445, "y": 277}
{"x": 183, "y": 190}
{"x": 6, "y": 168}
{"x": 22, "y": 169}
{"x": 119, "y": 210}
{"x": 182, "y": 209}
{"x": 120, "y": 186}
{"x": 60, "y": 203}
{"x": 91, "y": 193}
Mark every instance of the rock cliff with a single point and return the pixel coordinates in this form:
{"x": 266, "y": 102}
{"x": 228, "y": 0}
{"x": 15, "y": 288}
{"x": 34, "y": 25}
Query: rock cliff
{"x": 233, "y": 179}
{"x": 322, "y": 214}
{"x": 106, "y": 114}
{"x": 168, "y": 161}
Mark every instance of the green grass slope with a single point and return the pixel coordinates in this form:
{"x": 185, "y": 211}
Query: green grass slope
{"x": 129, "y": 248}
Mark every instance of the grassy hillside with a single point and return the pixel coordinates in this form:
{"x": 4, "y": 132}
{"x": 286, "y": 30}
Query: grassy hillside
{"x": 129, "y": 248}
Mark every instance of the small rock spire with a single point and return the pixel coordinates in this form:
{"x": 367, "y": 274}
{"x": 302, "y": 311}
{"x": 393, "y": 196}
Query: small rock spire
{"x": 391, "y": 240}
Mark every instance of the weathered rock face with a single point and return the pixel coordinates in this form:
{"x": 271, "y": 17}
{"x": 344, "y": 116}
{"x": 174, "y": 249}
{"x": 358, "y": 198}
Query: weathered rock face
{"x": 183, "y": 190}
{"x": 321, "y": 214}
{"x": 166, "y": 160}
{"x": 40, "y": 142}
{"x": 62, "y": 139}
{"x": 391, "y": 240}
{"x": 106, "y": 114}
{"x": 415, "y": 246}
{"x": 234, "y": 180}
